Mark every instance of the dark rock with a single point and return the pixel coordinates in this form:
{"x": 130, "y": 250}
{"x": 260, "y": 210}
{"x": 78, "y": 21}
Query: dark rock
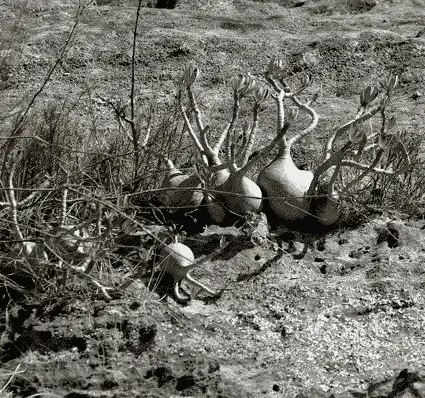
{"x": 169, "y": 4}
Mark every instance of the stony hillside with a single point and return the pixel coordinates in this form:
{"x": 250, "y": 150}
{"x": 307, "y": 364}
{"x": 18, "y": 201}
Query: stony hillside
{"x": 346, "y": 320}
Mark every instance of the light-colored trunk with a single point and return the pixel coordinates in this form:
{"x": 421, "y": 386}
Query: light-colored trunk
{"x": 240, "y": 194}
{"x": 177, "y": 259}
{"x": 219, "y": 178}
{"x": 285, "y": 186}
{"x": 182, "y": 190}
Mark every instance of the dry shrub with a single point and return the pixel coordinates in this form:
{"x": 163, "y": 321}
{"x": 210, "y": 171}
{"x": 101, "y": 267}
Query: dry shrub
{"x": 381, "y": 193}
{"x": 67, "y": 180}
{"x": 407, "y": 194}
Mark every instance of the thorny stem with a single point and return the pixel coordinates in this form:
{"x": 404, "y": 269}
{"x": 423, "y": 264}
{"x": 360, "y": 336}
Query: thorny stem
{"x": 231, "y": 129}
{"x": 283, "y": 91}
{"x": 362, "y": 147}
{"x": 209, "y": 155}
{"x": 332, "y": 181}
{"x": 199, "y": 284}
{"x": 242, "y": 146}
{"x": 192, "y": 132}
{"x": 313, "y": 124}
{"x": 333, "y": 160}
{"x": 281, "y": 95}
{"x": 232, "y": 158}
{"x": 360, "y": 117}
{"x": 337, "y": 158}
{"x": 367, "y": 170}
{"x": 221, "y": 140}
{"x": 195, "y": 108}
{"x": 377, "y": 170}
{"x": 208, "y": 151}
{"x": 263, "y": 153}
{"x": 251, "y": 138}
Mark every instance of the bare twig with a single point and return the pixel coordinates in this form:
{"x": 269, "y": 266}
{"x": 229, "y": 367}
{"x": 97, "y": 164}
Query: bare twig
{"x": 13, "y": 374}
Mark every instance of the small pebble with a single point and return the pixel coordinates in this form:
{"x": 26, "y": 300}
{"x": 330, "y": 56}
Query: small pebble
{"x": 416, "y": 95}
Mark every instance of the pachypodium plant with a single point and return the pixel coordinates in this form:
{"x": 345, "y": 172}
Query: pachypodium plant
{"x": 178, "y": 260}
{"x": 181, "y": 189}
{"x": 292, "y": 194}
{"x": 289, "y": 195}
{"x": 240, "y": 194}
{"x": 282, "y": 182}
{"x": 228, "y": 187}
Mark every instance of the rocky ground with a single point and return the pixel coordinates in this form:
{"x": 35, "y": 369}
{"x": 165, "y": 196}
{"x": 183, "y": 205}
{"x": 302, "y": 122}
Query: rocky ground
{"x": 344, "y": 320}
{"x": 347, "y": 320}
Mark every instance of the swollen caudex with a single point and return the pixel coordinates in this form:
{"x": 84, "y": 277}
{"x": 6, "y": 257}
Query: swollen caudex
{"x": 283, "y": 183}
{"x": 286, "y": 186}
{"x": 177, "y": 260}
{"x": 240, "y": 195}
{"x": 180, "y": 190}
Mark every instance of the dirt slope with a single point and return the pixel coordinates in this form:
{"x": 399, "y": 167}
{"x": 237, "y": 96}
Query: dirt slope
{"x": 347, "y": 319}
{"x": 343, "y": 318}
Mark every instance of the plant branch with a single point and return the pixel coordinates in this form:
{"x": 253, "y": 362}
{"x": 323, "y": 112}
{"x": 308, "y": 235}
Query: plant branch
{"x": 314, "y": 119}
